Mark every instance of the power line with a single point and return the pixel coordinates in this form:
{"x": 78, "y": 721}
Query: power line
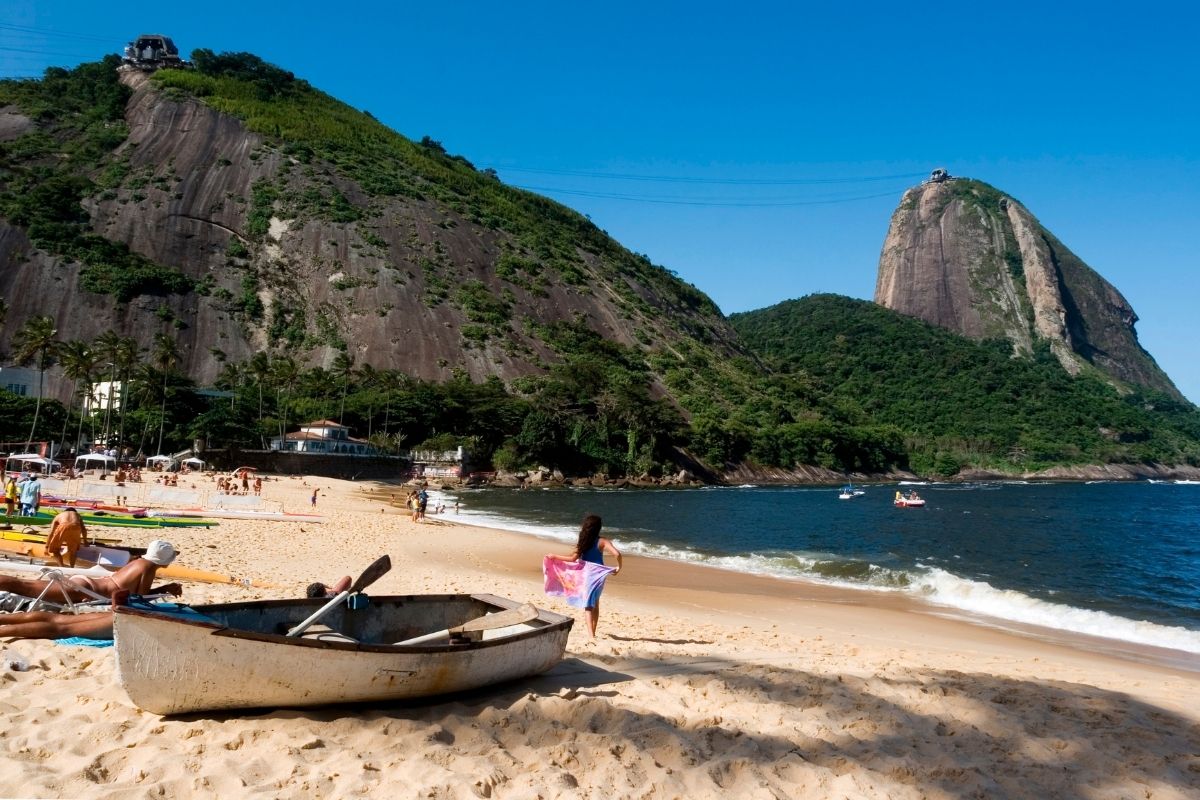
{"x": 53, "y": 33}
{"x": 720, "y": 181}
{"x": 707, "y": 203}
{"x": 47, "y": 53}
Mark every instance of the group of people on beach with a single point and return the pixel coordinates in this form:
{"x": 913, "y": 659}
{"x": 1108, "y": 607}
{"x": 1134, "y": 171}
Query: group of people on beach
{"x": 68, "y": 533}
{"x": 239, "y": 484}
{"x": 25, "y": 492}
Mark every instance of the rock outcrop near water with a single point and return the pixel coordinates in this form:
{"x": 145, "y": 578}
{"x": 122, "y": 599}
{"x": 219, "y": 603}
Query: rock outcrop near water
{"x": 961, "y": 255}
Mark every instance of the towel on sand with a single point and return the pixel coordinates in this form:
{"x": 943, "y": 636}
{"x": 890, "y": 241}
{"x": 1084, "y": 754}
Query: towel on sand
{"x": 579, "y": 582}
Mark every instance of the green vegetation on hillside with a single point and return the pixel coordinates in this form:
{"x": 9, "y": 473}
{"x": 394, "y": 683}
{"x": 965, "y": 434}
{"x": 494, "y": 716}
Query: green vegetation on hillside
{"x": 313, "y": 127}
{"x": 47, "y": 173}
{"x": 960, "y": 402}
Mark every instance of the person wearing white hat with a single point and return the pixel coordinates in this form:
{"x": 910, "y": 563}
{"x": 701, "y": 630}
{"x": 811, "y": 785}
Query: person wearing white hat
{"x": 136, "y": 577}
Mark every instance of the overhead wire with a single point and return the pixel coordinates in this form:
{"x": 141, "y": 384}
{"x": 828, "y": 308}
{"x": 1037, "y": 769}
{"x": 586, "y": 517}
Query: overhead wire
{"x": 29, "y": 29}
{"x": 721, "y": 181}
{"x": 678, "y": 201}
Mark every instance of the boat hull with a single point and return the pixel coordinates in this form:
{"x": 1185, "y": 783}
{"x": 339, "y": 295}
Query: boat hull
{"x": 169, "y": 665}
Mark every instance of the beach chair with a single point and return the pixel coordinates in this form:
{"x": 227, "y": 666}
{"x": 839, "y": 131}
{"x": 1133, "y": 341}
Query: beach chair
{"x": 10, "y": 602}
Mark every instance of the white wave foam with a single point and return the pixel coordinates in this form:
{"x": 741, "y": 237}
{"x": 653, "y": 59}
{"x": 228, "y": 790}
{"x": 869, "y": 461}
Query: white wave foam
{"x": 928, "y": 583}
{"x": 944, "y": 588}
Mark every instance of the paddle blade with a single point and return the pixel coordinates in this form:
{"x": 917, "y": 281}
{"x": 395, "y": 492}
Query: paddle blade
{"x": 501, "y": 619}
{"x": 381, "y": 567}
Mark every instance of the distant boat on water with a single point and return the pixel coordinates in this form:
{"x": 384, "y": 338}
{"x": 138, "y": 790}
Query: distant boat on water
{"x": 910, "y": 500}
{"x": 850, "y": 491}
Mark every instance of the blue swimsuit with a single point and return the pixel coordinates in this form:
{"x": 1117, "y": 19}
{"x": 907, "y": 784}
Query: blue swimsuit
{"x": 596, "y": 556}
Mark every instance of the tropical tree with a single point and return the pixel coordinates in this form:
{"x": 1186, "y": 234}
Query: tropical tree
{"x": 35, "y": 342}
{"x": 284, "y": 372}
{"x": 128, "y": 354}
{"x": 343, "y": 371}
{"x": 260, "y": 368}
{"x": 79, "y": 363}
{"x": 165, "y": 356}
{"x": 107, "y": 347}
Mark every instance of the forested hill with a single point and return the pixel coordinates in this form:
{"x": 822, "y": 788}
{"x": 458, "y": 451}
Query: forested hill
{"x": 232, "y": 225}
{"x": 239, "y": 210}
{"x": 961, "y": 402}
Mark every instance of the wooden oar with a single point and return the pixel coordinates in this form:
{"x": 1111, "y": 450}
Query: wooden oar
{"x": 371, "y": 574}
{"x": 490, "y": 622}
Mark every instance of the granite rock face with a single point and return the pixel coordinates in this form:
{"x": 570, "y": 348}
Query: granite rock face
{"x": 410, "y": 283}
{"x": 963, "y": 256}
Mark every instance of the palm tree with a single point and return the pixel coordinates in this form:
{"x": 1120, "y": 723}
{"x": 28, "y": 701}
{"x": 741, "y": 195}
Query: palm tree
{"x": 260, "y": 367}
{"x": 284, "y": 372}
{"x": 127, "y": 356}
{"x": 165, "y": 356}
{"x": 106, "y": 347}
{"x": 35, "y": 342}
{"x": 343, "y": 370}
{"x": 79, "y": 364}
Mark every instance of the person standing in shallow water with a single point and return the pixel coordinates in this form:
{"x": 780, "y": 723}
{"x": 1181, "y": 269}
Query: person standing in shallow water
{"x": 591, "y": 547}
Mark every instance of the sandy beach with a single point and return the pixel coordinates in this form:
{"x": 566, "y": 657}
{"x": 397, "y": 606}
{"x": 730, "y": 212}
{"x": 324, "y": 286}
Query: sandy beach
{"x": 701, "y": 683}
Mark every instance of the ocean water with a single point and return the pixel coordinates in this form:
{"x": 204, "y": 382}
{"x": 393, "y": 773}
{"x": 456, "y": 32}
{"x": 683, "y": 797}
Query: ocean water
{"x": 1118, "y": 560}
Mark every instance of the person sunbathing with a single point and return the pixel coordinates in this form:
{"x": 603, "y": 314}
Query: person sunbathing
{"x": 136, "y": 577}
{"x": 49, "y": 625}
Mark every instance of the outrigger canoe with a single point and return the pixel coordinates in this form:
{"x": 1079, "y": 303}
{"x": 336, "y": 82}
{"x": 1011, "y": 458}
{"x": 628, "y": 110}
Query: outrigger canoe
{"x": 238, "y": 655}
{"x": 131, "y": 521}
{"x": 39, "y": 536}
{"x": 235, "y": 513}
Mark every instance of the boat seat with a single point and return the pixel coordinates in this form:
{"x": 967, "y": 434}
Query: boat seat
{"x": 324, "y": 634}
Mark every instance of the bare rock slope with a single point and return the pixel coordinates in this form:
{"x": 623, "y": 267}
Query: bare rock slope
{"x": 292, "y": 256}
{"x": 963, "y": 256}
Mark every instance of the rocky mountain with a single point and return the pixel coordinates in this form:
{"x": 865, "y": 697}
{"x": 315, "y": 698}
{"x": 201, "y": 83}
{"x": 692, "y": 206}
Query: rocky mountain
{"x": 964, "y": 256}
{"x": 197, "y": 215}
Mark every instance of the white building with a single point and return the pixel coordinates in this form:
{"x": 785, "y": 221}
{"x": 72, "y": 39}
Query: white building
{"x": 323, "y": 436}
{"x": 98, "y": 401}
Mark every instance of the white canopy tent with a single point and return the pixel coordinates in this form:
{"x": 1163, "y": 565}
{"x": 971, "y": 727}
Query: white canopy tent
{"x": 195, "y": 463}
{"x": 96, "y": 461}
{"x": 24, "y": 460}
{"x": 166, "y": 461}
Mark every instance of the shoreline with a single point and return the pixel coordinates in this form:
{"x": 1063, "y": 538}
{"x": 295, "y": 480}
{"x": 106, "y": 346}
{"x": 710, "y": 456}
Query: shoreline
{"x": 1012, "y": 611}
{"x": 670, "y": 581}
{"x": 701, "y": 683}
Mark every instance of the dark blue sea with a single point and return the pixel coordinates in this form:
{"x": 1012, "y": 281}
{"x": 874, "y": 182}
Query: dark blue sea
{"x": 1120, "y": 560}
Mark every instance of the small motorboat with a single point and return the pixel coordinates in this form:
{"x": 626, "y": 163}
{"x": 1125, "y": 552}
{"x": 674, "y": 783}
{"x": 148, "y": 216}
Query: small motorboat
{"x": 379, "y": 649}
{"x": 910, "y": 500}
{"x": 850, "y": 491}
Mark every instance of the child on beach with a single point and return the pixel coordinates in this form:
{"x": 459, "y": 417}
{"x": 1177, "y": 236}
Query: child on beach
{"x": 314, "y": 498}
{"x": 591, "y": 547}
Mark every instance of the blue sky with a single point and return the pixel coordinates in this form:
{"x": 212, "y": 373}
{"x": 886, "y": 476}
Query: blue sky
{"x": 758, "y": 149}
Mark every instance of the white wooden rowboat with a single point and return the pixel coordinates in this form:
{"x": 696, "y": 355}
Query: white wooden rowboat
{"x": 237, "y": 655}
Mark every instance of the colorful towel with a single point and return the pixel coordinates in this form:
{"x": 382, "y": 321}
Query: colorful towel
{"x": 81, "y": 642}
{"x": 579, "y": 582}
